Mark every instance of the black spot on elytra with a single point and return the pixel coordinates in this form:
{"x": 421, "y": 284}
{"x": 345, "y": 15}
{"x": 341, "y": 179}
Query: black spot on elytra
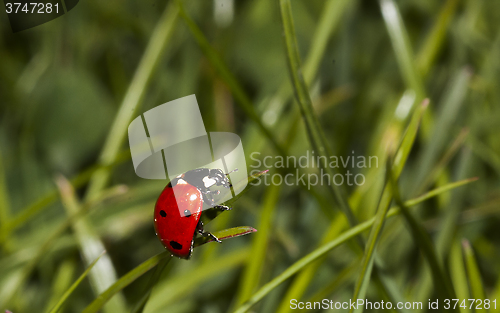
{"x": 175, "y": 245}
{"x": 187, "y": 213}
{"x": 162, "y": 213}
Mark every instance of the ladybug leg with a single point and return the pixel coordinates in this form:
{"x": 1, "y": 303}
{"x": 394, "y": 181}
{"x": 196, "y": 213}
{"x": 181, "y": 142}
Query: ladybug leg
{"x": 213, "y": 192}
{"x": 209, "y": 201}
{"x": 206, "y": 234}
{"x": 212, "y": 205}
{"x": 235, "y": 170}
{"x": 208, "y": 197}
{"x": 223, "y": 207}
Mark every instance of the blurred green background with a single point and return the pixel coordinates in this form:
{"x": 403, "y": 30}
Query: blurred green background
{"x": 69, "y": 88}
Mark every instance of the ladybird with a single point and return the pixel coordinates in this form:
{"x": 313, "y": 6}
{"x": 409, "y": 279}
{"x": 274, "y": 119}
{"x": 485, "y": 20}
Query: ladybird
{"x": 179, "y": 207}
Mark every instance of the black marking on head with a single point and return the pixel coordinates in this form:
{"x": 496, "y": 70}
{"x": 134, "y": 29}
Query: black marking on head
{"x": 195, "y": 177}
{"x": 175, "y": 245}
{"x": 187, "y": 213}
{"x": 163, "y": 213}
{"x": 219, "y": 177}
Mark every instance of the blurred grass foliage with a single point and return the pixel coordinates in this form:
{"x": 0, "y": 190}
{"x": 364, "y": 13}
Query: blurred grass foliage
{"x": 337, "y": 77}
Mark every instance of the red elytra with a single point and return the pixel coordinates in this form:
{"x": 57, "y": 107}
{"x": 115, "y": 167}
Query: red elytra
{"x": 176, "y": 231}
{"x": 178, "y": 209}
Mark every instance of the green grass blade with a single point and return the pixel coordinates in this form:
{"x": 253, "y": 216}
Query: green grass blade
{"x": 255, "y": 266}
{"x": 341, "y": 279}
{"x": 298, "y": 83}
{"x": 440, "y": 190}
{"x": 62, "y": 281}
{"x": 330, "y": 18}
{"x": 445, "y": 119}
{"x": 495, "y": 294}
{"x": 301, "y": 263}
{"x": 440, "y": 167}
{"x": 4, "y": 202}
{"x": 436, "y": 38}
{"x": 458, "y": 273}
{"x": 303, "y": 279}
{"x": 369, "y": 254}
{"x": 442, "y": 281}
{"x": 242, "y": 99}
{"x": 26, "y": 214}
{"x": 43, "y": 248}
{"x": 153, "y": 280}
{"x": 315, "y": 134}
{"x": 41, "y": 251}
{"x": 133, "y": 97}
{"x": 73, "y": 287}
{"x": 342, "y": 238}
{"x": 392, "y": 290}
{"x": 426, "y": 56}
{"x": 299, "y": 285}
{"x": 395, "y": 169}
{"x": 50, "y": 197}
{"x": 408, "y": 140}
{"x": 10, "y": 283}
{"x": 484, "y": 152}
{"x": 103, "y": 274}
{"x": 473, "y": 274}
{"x": 167, "y": 292}
{"x": 333, "y": 13}
{"x": 402, "y": 48}
{"x": 123, "y": 282}
{"x": 448, "y": 225}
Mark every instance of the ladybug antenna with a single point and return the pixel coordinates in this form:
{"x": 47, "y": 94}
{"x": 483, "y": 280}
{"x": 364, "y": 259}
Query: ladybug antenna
{"x": 235, "y": 170}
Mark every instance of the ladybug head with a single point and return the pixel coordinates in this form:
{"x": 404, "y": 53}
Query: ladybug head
{"x": 219, "y": 177}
